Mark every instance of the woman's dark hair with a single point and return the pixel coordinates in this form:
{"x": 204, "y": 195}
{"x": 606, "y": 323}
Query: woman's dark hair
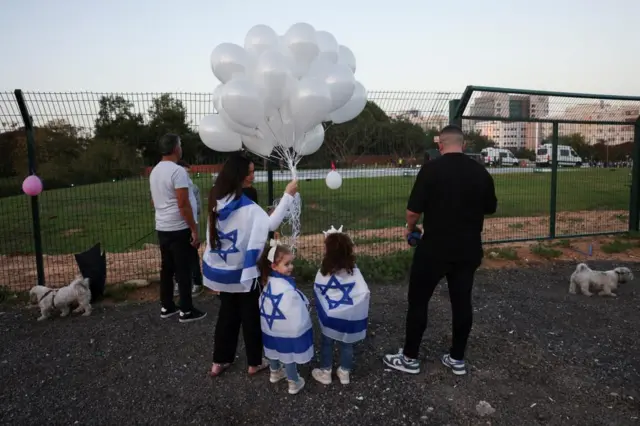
{"x": 338, "y": 254}
{"x": 229, "y": 182}
{"x": 264, "y": 265}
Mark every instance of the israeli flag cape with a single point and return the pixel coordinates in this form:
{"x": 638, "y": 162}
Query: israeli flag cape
{"x": 242, "y": 228}
{"x": 342, "y": 304}
{"x": 287, "y": 334}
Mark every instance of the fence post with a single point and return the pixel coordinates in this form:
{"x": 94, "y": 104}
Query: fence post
{"x": 634, "y": 198}
{"x": 453, "y": 108}
{"x": 35, "y": 209}
{"x": 554, "y": 181}
{"x": 270, "y": 186}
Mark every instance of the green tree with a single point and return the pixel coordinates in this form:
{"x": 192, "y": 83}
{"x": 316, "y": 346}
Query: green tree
{"x": 117, "y": 121}
{"x": 476, "y": 142}
{"x": 168, "y": 115}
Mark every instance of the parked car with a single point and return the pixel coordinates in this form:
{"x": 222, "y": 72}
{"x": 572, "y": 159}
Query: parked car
{"x": 567, "y": 157}
{"x": 498, "y": 157}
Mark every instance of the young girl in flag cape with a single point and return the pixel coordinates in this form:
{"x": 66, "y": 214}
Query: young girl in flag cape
{"x": 287, "y": 334}
{"x": 342, "y": 303}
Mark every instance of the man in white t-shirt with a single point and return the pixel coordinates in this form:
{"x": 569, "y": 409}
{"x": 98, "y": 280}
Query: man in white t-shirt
{"x": 177, "y": 229}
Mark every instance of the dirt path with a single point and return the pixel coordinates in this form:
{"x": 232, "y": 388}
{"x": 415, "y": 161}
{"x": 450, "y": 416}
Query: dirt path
{"x": 19, "y": 272}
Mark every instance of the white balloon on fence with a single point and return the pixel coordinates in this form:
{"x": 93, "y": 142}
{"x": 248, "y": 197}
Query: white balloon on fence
{"x": 231, "y": 124}
{"x": 311, "y": 141}
{"x": 259, "y": 146}
{"x": 228, "y": 59}
{"x": 215, "y": 97}
{"x": 259, "y": 39}
{"x": 216, "y": 136}
{"x": 353, "y": 107}
{"x": 346, "y": 56}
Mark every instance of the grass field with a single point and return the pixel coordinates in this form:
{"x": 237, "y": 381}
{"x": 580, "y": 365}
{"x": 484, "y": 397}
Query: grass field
{"x": 120, "y": 216}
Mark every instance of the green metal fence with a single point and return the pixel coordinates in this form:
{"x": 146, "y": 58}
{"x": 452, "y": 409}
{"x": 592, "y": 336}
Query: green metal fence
{"x": 92, "y": 150}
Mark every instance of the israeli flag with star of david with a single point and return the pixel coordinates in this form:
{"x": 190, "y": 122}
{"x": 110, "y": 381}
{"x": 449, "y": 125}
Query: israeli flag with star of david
{"x": 243, "y": 228}
{"x": 287, "y": 334}
{"x": 342, "y": 304}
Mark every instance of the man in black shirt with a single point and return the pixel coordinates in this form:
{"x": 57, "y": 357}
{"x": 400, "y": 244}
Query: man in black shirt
{"x": 453, "y": 193}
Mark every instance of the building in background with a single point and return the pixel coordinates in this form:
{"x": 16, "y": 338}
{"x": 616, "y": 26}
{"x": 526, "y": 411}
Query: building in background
{"x": 601, "y": 111}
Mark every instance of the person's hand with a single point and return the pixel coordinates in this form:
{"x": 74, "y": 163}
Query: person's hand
{"x": 406, "y": 233}
{"x": 292, "y": 187}
{"x": 195, "y": 240}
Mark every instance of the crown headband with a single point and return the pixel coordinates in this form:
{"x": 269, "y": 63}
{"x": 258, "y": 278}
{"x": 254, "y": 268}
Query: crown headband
{"x": 332, "y": 230}
{"x": 271, "y": 255}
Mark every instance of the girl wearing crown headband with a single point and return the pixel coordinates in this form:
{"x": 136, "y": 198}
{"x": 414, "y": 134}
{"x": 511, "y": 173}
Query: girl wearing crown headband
{"x": 342, "y": 303}
{"x": 287, "y": 334}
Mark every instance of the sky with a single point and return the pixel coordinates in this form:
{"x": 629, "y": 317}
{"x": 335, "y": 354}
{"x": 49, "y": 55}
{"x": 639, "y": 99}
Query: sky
{"x": 164, "y": 45}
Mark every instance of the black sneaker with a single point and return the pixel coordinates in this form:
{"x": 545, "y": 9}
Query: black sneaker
{"x": 192, "y": 315}
{"x": 168, "y": 313}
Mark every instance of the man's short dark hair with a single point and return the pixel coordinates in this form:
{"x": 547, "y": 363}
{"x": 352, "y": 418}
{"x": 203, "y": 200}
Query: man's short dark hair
{"x": 168, "y": 143}
{"x": 451, "y": 130}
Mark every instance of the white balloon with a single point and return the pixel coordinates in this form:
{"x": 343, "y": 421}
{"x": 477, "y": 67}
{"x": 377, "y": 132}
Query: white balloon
{"x": 241, "y": 100}
{"x": 333, "y": 180}
{"x": 328, "y": 46}
{"x": 341, "y": 84}
{"x": 346, "y": 56}
{"x": 259, "y": 39}
{"x": 353, "y": 107}
{"x": 311, "y": 142}
{"x": 232, "y": 125}
{"x": 319, "y": 68}
{"x": 216, "y": 136}
{"x": 301, "y": 39}
{"x": 262, "y": 147}
{"x": 309, "y": 103}
{"x": 228, "y": 59}
{"x": 215, "y": 97}
{"x": 271, "y": 76}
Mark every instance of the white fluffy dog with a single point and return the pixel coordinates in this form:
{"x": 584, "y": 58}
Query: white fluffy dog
{"x": 601, "y": 282}
{"x": 50, "y": 299}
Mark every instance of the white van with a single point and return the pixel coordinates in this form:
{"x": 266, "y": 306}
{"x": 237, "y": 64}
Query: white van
{"x": 567, "y": 157}
{"x": 498, "y": 157}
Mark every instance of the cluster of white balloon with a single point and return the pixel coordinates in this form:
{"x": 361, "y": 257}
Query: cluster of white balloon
{"x": 277, "y": 91}
{"x": 275, "y": 94}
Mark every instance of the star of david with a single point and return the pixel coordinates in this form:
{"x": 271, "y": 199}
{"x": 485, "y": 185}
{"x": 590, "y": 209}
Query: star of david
{"x": 276, "y": 313}
{"x": 344, "y": 288}
{"x": 231, "y": 236}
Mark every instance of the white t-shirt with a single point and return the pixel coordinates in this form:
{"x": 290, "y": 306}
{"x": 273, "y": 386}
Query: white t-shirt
{"x": 164, "y": 179}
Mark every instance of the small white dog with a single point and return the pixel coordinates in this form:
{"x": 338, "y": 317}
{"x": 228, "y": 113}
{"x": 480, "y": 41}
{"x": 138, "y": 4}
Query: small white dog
{"x": 601, "y": 282}
{"x": 50, "y": 299}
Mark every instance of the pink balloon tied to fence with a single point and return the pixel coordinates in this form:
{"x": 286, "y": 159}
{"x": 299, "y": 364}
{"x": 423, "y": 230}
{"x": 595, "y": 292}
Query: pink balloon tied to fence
{"x": 32, "y": 186}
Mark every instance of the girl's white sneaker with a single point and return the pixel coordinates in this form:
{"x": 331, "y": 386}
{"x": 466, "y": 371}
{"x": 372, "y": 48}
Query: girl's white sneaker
{"x": 322, "y": 376}
{"x": 295, "y": 387}
{"x": 343, "y": 376}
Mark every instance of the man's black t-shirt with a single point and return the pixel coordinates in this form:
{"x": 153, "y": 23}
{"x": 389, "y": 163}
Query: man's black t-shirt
{"x": 453, "y": 193}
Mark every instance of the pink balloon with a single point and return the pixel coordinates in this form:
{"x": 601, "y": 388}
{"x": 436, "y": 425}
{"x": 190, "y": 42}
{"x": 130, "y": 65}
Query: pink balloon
{"x": 32, "y": 185}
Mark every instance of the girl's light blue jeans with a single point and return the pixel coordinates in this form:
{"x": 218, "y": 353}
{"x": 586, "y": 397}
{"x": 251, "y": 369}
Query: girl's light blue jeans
{"x": 326, "y": 354}
{"x": 290, "y": 369}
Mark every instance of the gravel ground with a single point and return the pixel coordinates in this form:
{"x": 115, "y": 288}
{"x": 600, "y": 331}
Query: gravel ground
{"x": 537, "y": 356}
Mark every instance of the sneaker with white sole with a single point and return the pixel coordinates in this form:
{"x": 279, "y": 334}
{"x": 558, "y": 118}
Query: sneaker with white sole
{"x": 295, "y": 387}
{"x": 401, "y": 363}
{"x": 322, "y": 375}
{"x": 168, "y": 313}
{"x": 343, "y": 376}
{"x": 457, "y": 367}
{"x": 192, "y": 315}
{"x": 276, "y": 375}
